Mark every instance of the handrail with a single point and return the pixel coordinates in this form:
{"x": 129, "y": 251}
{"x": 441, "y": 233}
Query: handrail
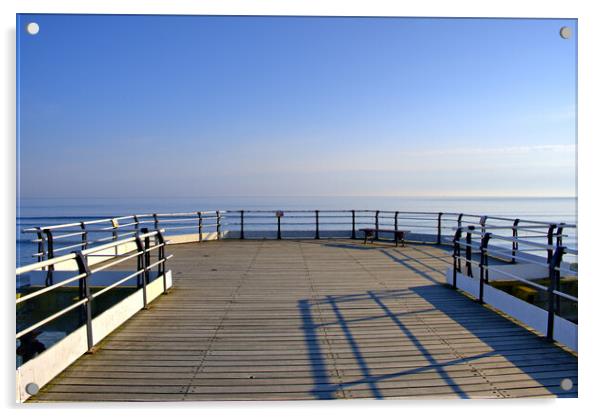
{"x": 553, "y": 262}
{"x": 144, "y": 246}
{"x": 212, "y": 213}
{"x": 54, "y": 239}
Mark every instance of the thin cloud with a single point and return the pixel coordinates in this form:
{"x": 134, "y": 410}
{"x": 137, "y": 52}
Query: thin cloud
{"x": 513, "y": 150}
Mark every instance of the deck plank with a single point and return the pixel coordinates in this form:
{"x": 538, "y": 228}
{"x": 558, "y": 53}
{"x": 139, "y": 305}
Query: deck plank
{"x": 313, "y": 319}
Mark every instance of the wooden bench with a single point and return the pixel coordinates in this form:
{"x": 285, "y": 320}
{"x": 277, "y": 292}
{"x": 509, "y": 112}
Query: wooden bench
{"x": 399, "y": 235}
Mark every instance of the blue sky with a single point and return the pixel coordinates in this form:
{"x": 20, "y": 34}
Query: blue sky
{"x": 141, "y": 106}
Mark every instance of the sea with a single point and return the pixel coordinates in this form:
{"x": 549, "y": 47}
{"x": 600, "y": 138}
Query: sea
{"x": 32, "y": 212}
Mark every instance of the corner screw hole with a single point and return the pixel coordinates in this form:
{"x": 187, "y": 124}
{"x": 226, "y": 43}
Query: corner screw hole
{"x": 32, "y": 388}
{"x": 566, "y": 384}
{"x": 33, "y": 28}
{"x": 565, "y": 32}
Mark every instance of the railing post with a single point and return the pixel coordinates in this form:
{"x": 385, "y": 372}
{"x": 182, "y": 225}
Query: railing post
{"x": 136, "y": 223}
{"x": 242, "y": 224}
{"x": 114, "y": 227}
{"x": 439, "y": 216}
{"x": 554, "y": 277}
{"x": 482, "y": 222}
{"x": 483, "y": 264}
{"x": 161, "y": 257}
{"x": 218, "y": 226}
{"x": 142, "y": 267}
{"x": 82, "y": 266}
{"x": 147, "y": 256}
{"x": 376, "y": 224}
{"x": 50, "y": 243}
{"x": 469, "y": 251}
{"x": 396, "y": 226}
{"x": 460, "y": 219}
{"x": 41, "y": 246}
{"x": 279, "y": 236}
{"x": 551, "y": 228}
{"x": 200, "y": 225}
{"x": 559, "y": 231}
{"x": 139, "y": 259}
{"x": 317, "y": 224}
{"x": 84, "y": 236}
{"x": 352, "y": 224}
{"x": 456, "y": 256}
{"x": 156, "y": 219}
{"x": 514, "y": 237}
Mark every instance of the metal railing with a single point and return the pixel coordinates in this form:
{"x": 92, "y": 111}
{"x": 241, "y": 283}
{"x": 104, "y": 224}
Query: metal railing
{"x": 490, "y": 242}
{"x": 475, "y": 240}
{"x": 146, "y": 242}
{"x": 98, "y": 232}
{"x": 426, "y": 227}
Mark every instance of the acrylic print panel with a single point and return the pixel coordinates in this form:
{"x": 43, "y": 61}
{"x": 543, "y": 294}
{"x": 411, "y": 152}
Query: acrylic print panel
{"x": 300, "y": 201}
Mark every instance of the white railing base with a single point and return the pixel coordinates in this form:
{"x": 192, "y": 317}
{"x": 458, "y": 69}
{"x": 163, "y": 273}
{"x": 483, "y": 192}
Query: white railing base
{"x": 46, "y": 366}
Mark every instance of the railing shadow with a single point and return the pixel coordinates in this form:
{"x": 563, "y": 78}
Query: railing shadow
{"x": 326, "y": 383}
{"x": 356, "y": 246}
{"x": 408, "y": 262}
{"x": 490, "y": 334}
{"x": 532, "y": 356}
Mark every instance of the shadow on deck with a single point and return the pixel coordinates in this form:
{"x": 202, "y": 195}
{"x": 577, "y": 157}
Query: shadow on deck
{"x": 532, "y": 359}
{"x": 462, "y": 310}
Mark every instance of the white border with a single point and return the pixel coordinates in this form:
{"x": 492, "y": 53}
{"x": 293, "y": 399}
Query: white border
{"x": 590, "y": 33}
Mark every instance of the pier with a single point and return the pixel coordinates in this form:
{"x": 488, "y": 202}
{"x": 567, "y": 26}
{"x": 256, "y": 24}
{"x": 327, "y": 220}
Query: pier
{"x": 320, "y": 317}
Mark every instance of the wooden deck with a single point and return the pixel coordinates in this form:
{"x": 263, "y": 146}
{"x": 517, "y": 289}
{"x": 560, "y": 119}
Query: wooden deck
{"x": 314, "y": 319}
